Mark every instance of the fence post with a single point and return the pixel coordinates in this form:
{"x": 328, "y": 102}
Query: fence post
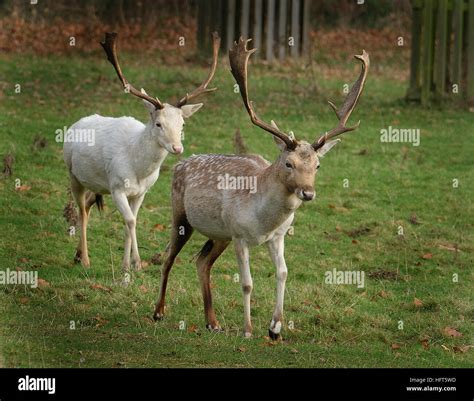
{"x": 470, "y": 54}
{"x": 457, "y": 50}
{"x": 270, "y": 29}
{"x": 413, "y": 92}
{"x": 257, "y": 26}
{"x": 441, "y": 48}
{"x": 427, "y": 53}
{"x": 295, "y": 27}
{"x": 230, "y": 31}
{"x": 282, "y": 39}
{"x": 245, "y": 19}
{"x": 306, "y": 26}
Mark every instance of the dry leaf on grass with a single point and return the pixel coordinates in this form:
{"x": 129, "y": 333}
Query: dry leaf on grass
{"x": 23, "y": 188}
{"x": 395, "y": 346}
{"x": 427, "y": 256}
{"x": 425, "y": 343}
{"x": 462, "y": 348}
{"x": 451, "y": 332}
{"x": 159, "y": 227}
{"x": 100, "y": 287}
{"x": 417, "y": 303}
{"x": 42, "y": 283}
{"x": 157, "y": 259}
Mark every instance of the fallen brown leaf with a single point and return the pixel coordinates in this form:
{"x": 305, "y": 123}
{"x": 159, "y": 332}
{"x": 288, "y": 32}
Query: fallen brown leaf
{"x": 157, "y": 259}
{"x": 417, "y": 303}
{"x": 396, "y": 346}
{"x": 143, "y": 289}
{"x": 451, "y": 332}
{"x": 159, "y": 227}
{"x": 427, "y": 256}
{"x": 42, "y": 283}
{"x": 23, "y": 188}
{"x": 100, "y": 287}
{"x": 463, "y": 348}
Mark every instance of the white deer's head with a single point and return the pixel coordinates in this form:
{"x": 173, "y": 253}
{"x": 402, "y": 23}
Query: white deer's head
{"x": 167, "y": 124}
{"x": 166, "y": 120}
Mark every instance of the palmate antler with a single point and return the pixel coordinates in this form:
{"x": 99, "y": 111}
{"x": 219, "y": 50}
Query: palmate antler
{"x": 110, "y": 47}
{"x": 239, "y": 56}
{"x": 216, "y": 43}
{"x": 350, "y": 102}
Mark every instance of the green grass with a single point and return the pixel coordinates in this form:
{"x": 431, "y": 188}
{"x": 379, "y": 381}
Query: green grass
{"x": 333, "y": 326}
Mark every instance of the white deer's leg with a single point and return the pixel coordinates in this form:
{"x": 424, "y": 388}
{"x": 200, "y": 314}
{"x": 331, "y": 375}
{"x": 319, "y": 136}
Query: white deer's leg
{"x": 242, "y": 252}
{"x": 79, "y": 194}
{"x": 276, "y": 248}
{"x": 123, "y": 206}
{"x": 135, "y": 206}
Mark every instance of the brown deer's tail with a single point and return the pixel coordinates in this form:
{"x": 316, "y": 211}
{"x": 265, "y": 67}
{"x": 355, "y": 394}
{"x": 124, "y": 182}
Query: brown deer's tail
{"x": 99, "y": 201}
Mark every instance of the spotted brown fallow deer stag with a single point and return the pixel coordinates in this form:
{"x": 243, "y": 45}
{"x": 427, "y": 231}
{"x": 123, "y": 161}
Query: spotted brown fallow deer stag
{"x": 241, "y": 215}
{"x": 126, "y": 156}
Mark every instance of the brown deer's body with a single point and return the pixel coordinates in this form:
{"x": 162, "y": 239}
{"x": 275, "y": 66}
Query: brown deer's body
{"x": 227, "y": 214}
{"x": 249, "y": 215}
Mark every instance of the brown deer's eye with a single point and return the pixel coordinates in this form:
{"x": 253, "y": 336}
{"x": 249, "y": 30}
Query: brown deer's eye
{"x": 317, "y": 167}
{"x": 158, "y": 125}
{"x": 289, "y": 165}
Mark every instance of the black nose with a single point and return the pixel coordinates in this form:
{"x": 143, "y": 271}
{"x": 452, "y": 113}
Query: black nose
{"x": 308, "y": 195}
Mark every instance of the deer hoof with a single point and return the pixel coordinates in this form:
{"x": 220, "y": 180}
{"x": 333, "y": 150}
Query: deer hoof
{"x": 215, "y": 328}
{"x": 247, "y": 334}
{"x": 137, "y": 265}
{"x": 78, "y": 256}
{"x": 273, "y": 336}
{"x": 158, "y": 316}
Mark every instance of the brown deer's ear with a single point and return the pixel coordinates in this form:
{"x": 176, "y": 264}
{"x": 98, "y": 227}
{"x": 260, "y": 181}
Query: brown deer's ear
{"x": 327, "y": 147}
{"x": 281, "y": 145}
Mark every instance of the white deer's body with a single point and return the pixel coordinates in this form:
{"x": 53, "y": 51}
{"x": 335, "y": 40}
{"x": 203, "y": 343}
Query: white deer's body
{"x": 123, "y": 161}
{"x": 124, "y": 152}
{"x": 125, "y": 157}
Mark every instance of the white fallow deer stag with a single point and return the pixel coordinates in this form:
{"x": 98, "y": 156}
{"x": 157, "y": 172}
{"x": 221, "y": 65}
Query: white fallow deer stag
{"x": 126, "y": 157}
{"x": 248, "y": 217}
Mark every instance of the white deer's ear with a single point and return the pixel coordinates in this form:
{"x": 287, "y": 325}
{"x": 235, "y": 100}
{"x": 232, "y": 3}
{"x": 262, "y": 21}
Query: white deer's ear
{"x": 189, "y": 109}
{"x": 327, "y": 147}
{"x": 149, "y": 106}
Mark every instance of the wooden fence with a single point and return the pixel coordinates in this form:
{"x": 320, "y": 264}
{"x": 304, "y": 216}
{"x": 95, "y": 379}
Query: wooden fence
{"x": 442, "y": 52}
{"x": 279, "y": 28}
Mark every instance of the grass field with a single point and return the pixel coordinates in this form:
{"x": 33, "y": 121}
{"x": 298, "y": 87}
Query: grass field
{"x": 354, "y": 227}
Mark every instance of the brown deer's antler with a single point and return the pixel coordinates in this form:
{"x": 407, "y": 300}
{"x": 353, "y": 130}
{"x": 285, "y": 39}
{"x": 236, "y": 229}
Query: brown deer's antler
{"x": 216, "y": 43}
{"x": 350, "y": 102}
{"x": 110, "y": 47}
{"x": 239, "y": 56}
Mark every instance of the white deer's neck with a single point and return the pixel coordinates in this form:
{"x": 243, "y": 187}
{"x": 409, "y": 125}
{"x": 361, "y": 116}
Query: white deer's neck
{"x": 147, "y": 153}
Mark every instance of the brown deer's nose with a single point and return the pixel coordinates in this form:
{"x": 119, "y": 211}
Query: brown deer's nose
{"x": 308, "y": 194}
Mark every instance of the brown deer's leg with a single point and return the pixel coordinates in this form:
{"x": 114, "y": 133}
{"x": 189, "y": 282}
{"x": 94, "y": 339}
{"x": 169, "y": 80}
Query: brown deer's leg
{"x": 208, "y": 255}
{"x": 181, "y": 232}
